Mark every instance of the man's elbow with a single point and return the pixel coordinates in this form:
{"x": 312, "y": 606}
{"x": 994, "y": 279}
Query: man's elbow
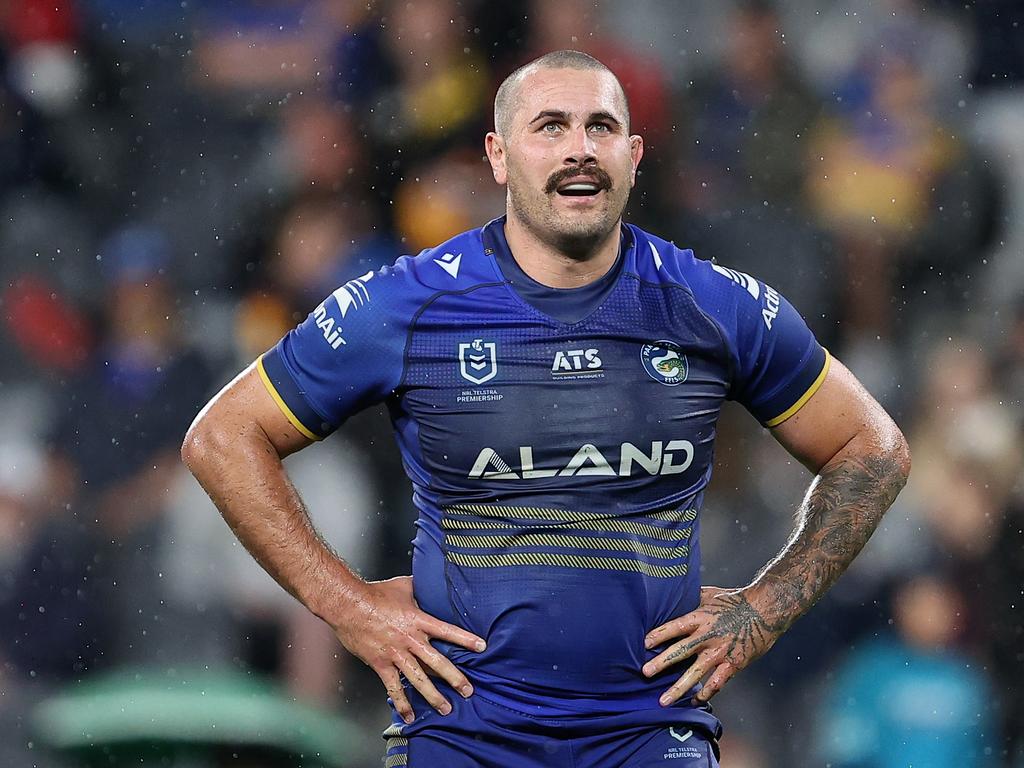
{"x": 200, "y": 443}
{"x": 896, "y": 449}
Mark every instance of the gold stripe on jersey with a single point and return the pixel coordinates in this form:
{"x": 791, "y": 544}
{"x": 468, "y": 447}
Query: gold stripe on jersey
{"x": 281, "y": 403}
{"x": 546, "y": 513}
{"x": 815, "y": 385}
{"x": 597, "y": 526}
{"x": 554, "y": 540}
{"x": 508, "y": 559}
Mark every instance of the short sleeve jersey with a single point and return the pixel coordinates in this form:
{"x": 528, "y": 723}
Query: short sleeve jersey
{"x": 559, "y": 442}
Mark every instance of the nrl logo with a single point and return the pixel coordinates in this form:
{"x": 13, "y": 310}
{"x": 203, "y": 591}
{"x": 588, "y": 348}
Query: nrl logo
{"x": 478, "y": 361}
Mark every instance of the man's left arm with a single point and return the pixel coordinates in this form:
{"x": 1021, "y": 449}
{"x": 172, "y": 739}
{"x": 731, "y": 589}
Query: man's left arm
{"x": 861, "y": 460}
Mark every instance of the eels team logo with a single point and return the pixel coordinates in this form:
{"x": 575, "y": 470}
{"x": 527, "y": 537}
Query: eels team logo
{"x": 664, "y": 362}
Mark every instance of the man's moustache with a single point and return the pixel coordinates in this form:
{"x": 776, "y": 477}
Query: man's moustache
{"x": 598, "y": 175}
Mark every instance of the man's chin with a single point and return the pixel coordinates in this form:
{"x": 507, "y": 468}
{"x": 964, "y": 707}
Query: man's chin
{"x": 580, "y": 232}
{"x": 590, "y": 222}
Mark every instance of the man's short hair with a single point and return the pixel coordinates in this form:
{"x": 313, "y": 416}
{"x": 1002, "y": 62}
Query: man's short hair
{"x": 504, "y": 99}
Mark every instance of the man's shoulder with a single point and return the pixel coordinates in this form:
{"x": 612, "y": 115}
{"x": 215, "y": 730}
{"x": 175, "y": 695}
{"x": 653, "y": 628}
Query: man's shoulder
{"x": 402, "y": 287}
{"x": 454, "y": 265}
{"x": 663, "y": 262}
{"x": 715, "y": 288}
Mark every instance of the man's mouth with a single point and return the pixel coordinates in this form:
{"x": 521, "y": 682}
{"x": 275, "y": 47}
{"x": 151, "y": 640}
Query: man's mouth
{"x": 579, "y": 189}
{"x": 571, "y": 182}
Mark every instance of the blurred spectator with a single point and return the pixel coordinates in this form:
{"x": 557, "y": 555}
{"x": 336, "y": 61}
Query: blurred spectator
{"x": 49, "y": 621}
{"x": 234, "y": 609}
{"x": 319, "y": 150}
{"x": 267, "y": 48}
{"x": 43, "y": 65}
{"x": 843, "y": 38}
{"x": 120, "y": 425}
{"x": 999, "y": 131}
{"x": 579, "y": 25}
{"x": 1005, "y": 631}
{"x": 432, "y": 86}
{"x": 967, "y": 452}
{"x": 872, "y": 184}
{"x": 445, "y": 196}
{"x": 912, "y": 698}
{"x": 736, "y": 191}
{"x": 907, "y": 198}
{"x": 48, "y": 329}
{"x": 322, "y": 242}
{"x": 746, "y": 126}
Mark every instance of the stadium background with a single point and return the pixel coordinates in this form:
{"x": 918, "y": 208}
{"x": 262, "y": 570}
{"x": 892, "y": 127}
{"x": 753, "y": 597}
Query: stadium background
{"x": 180, "y": 183}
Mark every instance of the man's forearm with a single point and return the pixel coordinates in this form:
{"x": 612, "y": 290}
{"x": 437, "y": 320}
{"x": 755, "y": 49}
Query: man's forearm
{"x": 841, "y": 510}
{"x": 242, "y": 472}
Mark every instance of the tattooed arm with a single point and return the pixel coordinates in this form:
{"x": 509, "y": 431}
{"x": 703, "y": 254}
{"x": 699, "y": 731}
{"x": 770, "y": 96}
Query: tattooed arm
{"x": 862, "y": 461}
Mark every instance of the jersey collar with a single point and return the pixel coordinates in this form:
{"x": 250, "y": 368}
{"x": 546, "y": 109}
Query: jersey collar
{"x": 567, "y": 305}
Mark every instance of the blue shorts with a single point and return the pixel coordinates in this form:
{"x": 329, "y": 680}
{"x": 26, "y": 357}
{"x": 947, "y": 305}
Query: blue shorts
{"x": 483, "y": 734}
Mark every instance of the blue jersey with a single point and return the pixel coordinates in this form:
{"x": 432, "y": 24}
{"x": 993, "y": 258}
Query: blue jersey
{"x": 558, "y": 442}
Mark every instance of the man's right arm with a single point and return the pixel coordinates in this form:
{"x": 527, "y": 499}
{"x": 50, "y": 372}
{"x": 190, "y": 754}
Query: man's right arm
{"x": 234, "y": 448}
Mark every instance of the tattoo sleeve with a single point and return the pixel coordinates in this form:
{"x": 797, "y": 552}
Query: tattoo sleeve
{"x": 841, "y": 510}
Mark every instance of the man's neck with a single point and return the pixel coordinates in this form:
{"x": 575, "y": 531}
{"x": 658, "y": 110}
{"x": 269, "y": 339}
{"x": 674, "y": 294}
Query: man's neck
{"x": 548, "y": 266}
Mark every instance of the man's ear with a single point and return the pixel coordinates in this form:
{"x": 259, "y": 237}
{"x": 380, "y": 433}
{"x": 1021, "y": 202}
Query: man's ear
{"x": 636, "y": 151}
{"x": 494, "y": 145}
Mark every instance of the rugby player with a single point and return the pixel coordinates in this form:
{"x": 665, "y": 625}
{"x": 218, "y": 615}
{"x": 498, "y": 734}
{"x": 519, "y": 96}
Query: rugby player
{"x": 554, "y": 380}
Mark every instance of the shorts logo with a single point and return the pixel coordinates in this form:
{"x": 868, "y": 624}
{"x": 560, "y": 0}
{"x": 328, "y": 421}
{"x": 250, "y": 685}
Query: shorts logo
{"x": 664, "y": 362}
{"x": 478, "y": 361}
{"x": 688, "y": 753}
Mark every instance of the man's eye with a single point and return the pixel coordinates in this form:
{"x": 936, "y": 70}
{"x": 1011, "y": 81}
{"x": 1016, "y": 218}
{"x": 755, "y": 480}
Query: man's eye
{"x": 551, "y": 128}
{"x": 600, "y": 128}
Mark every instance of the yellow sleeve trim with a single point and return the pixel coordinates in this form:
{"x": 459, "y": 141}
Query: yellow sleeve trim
{"x": 805, "y": 396}
{"x": 281, "y": 403}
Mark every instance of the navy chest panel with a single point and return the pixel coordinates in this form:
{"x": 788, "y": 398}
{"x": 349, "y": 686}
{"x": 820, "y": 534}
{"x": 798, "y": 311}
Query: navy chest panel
{"x": 512, "y": 405}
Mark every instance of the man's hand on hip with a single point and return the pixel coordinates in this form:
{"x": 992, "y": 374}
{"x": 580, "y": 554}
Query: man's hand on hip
{"x": 725, "y": 633}
{"x": 386, "y": 629}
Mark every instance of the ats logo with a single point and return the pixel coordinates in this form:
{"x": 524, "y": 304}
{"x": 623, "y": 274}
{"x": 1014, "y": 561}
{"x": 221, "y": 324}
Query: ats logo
{"x": 577, "y": 364}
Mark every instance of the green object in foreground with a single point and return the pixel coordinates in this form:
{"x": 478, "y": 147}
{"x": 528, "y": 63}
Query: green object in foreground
{"x": 193, "y": 709}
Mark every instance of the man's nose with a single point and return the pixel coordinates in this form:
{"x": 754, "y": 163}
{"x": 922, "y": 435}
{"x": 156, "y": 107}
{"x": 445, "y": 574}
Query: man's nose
{"x": 582, "y": 150}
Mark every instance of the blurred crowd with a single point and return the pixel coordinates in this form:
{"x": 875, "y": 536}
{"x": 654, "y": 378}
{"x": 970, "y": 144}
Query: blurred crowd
{"x": 180, "y": 183}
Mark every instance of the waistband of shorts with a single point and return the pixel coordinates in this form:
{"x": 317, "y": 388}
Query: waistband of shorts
{"x": 700, "y": 718}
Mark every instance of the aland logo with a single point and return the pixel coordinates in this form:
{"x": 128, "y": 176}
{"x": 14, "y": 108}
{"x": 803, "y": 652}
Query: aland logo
{"x": 664, "y": 362}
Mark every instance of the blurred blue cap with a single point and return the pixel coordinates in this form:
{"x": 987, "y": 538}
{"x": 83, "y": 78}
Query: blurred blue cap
{"x": 135, "y": 253}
